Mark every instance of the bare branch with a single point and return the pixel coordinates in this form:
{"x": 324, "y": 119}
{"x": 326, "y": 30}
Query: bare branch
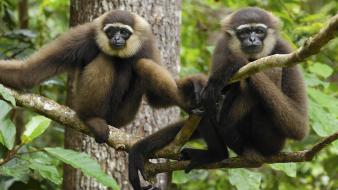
{"x": 238, "y": 162}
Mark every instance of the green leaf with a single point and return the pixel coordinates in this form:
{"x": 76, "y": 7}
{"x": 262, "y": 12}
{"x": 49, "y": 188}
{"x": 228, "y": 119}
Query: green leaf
{"x": 7, "y": 133}
{"x": 34, "y": 128}
{"x": 47, "y": 171}
{"x": 83, "y": 162}
{"x": 320, "y": 69}
{"x": 323, "y": 99}
{"x": 180, "y": 177}
{"x": 5, "y": 108}
{"x": 322, "y": 122}
{"x": 16, "y": 168}
{"x": 245, "y": 179}
{"x": 289, "y": 169}
{"x": 6, "y": 95}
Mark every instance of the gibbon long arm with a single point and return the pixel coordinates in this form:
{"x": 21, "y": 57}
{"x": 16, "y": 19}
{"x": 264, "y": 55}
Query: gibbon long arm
{"x": 163, "y": 91}
{"x": 288, "y": 105}
{"x": 58, "y": 56}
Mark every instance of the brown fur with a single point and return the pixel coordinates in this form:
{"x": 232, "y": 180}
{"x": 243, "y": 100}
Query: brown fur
{"x": 112, "y": 81}
{"x": 258, "y": 113}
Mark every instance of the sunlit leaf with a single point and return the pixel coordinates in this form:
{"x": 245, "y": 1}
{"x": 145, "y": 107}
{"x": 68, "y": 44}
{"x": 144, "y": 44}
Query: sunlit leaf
{"x": 34, "y": 128}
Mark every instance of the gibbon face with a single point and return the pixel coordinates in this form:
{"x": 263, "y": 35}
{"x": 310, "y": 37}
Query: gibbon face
{"x": 121, "y": 33}
{"x": 252, "y": 32}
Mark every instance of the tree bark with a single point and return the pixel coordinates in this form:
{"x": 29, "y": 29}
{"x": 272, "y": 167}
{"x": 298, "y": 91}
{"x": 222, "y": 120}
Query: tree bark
{"x": 164, "y": 16}
{"x": 23, "y": 14}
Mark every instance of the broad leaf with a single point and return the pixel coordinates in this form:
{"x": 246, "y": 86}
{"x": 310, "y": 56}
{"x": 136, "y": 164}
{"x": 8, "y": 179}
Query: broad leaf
{"x": 289, "y": 169}
{"x": 16, "y": 168}
{"x": 7, "y": 133}
{"x": 320, "y": 69}
{"x": 180, "y": 177}
{"x": 83, "y": 162}
{"x": 47, "y": 171}
{"x": 5, "y": 108}
{"x": 322, "y": 122}
{"x": 34, "y": 128}
{"x": 6, "y": 95}
{"x": 245, "y": 179}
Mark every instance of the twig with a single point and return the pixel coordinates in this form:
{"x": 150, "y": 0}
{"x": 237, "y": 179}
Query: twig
{"x": 10, "y": 154}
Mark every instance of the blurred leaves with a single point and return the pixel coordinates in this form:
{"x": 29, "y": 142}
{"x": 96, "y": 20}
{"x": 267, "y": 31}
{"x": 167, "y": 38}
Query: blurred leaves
{"x": 245, "y": 179}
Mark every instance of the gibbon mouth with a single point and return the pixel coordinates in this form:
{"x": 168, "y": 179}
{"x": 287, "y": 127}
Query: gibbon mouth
{"x": 252, "y": 49}
{"x": 118, "y": 45}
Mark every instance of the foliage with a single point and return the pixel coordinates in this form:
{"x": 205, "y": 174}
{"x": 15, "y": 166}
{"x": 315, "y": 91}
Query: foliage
{"x": 25, "y": 165}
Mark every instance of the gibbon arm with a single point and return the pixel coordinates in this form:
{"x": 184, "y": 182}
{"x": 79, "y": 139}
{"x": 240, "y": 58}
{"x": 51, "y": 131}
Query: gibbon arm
{"x": 161, "y": 88}
{"x": 288, "y": 105}
{"x": 72, "y": 49}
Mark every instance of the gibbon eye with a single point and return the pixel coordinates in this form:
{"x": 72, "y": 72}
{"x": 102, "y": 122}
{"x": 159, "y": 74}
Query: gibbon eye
{"x": 110, "y": 32}
{"x": 259, "y": 31}
{"x": 125, "y": 32}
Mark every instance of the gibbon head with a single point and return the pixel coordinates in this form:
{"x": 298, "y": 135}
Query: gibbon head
{"x": 121, "y": 33}
{"x": 252, "y": 32}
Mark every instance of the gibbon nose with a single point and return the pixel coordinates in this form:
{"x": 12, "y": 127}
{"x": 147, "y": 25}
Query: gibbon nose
{"x": 252, "y": 38}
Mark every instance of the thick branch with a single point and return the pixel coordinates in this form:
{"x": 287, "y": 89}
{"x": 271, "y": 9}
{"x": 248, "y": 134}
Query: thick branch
{"x": 67, "y": 117}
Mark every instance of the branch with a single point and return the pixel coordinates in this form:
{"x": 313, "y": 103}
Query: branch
{"x": 240, "y": 162}
{"x": 118, "y": 139}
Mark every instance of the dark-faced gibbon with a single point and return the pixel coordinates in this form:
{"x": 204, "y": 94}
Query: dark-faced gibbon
{"x": 119, "y": 63}
{"x": 258, "y": 113}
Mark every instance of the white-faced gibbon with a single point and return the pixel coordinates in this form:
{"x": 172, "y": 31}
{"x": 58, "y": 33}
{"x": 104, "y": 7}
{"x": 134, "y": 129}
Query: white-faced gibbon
{"x": 119, "y": 63}
{"x": 258, "y": 113}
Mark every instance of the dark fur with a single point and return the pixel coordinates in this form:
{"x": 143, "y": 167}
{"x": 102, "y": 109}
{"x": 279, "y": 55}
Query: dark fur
{"x": 258, "y": 113}
{"x": 261, "y": 112}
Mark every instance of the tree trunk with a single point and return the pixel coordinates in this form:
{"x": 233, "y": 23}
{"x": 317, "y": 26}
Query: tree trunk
{"x": 164, "y": 16}
{"x": 23, "y": 14}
